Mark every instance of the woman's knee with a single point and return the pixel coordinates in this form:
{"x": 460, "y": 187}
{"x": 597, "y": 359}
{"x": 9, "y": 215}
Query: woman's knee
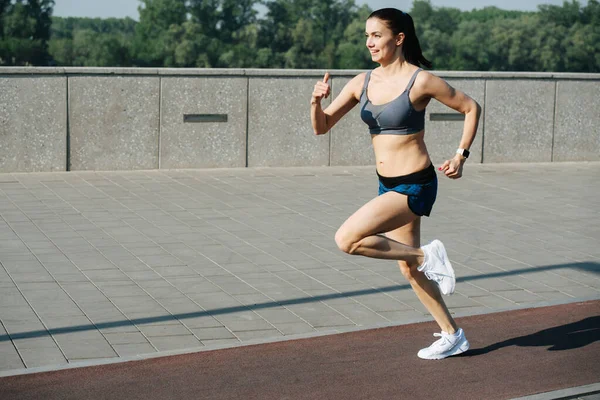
{"x": 345, "y": 241}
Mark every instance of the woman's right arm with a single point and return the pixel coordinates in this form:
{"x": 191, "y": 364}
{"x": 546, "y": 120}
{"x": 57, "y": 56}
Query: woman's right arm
{"x": 324, "y": 120}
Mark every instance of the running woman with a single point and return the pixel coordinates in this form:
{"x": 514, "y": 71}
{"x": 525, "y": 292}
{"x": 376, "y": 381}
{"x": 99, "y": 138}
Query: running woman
{"x": 392, "y": 99}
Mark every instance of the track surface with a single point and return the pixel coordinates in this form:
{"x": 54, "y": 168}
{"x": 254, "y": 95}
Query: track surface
{"x": 512, "y": 354}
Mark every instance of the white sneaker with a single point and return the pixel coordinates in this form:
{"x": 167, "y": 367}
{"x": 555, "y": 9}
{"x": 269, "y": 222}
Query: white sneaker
{"x": 448, "y": 345}
{"x": 437, "y": 267}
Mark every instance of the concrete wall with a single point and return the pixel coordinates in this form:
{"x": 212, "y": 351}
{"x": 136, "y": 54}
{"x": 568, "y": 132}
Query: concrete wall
{"x": 33, "y": 123}
{"x": 113, "y": 122}
{"x": 279, "y": 128}
{"x": 57, "y": 119}
{"x": 577, "y": 121}
{"x": 206, "y": 144}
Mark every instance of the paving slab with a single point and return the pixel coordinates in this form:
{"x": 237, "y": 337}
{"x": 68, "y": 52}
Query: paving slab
{"x": 163, "y": 260}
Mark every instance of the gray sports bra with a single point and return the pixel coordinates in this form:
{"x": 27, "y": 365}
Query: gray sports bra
{"x": 397, "y": 117}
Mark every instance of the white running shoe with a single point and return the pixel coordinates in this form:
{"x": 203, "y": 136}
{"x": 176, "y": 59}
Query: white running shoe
{"x": 448, "y": 345}
{"x": 437, "y": 267}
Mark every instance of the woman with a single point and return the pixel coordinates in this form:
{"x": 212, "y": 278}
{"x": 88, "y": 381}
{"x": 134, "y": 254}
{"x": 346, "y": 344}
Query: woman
{"x": 392, "y": 100}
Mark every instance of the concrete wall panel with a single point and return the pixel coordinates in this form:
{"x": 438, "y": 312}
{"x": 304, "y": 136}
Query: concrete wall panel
{"x": 279, "y": 128}
{"x": 203, "y": 144}
{"x": 519, "y": 117}
{"x": 443, "y": 137}
{"x": 54, "y": 119}
{"x": 33, "y": 123}
{"x": 114, "y": 122}
{"x": 577, "y": 124}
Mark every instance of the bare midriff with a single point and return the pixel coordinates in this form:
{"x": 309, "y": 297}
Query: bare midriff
{"x": 397, "y": 155}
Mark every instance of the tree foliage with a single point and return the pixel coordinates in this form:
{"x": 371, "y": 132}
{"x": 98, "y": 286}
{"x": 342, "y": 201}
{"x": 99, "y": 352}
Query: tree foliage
{"x": 25, "y": 31}
{"x": 555, "y": 38}
{"x": 92, "y": 41}
{"x": 298, "y": 34}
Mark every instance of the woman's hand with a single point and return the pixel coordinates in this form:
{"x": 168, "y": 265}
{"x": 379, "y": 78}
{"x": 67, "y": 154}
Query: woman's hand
{"x": 321, "y": 90}
{"x": 453, "y": 168}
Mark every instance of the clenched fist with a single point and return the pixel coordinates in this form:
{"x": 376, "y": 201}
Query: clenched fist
{"x": 453, "y": 168}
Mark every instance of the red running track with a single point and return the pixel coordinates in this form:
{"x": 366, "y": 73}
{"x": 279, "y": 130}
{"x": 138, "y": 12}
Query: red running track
{"x": 512, "y": 354}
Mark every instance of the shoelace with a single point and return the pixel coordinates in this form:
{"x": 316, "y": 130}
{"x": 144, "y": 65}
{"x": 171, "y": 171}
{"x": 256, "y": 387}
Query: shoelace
{"x": 432, "y": 276}
{"x": 439, "y": 342}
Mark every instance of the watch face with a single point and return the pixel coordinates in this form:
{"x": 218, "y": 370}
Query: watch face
{"x": 463, "y": 152}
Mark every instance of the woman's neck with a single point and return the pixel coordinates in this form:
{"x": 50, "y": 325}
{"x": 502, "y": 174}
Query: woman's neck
{"x": 396, "y": 66}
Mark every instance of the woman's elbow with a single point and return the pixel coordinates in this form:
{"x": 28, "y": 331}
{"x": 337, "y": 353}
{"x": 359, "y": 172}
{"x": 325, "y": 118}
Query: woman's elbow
{"x": 472, "y": 108}
{"x": 477, "y": 108}
{"x": 321, "y": 129}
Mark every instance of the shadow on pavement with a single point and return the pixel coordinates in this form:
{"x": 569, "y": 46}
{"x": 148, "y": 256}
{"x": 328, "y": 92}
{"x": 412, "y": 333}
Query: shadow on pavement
{"x": 564, "y": 337}
{"x": 585, "y": 266}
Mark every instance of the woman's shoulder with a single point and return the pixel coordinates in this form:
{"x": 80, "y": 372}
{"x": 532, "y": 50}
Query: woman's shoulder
{"x": 361, "y": 77}
{"x": 357, "y": 82}
{"x": 424, "y": 74}
{"x": 430, "y": 84}
{"x": 424, "y": 78}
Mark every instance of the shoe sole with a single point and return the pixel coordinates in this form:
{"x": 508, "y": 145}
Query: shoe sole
{"x": 441, "y": 252}
{"x": 456, "y": 350}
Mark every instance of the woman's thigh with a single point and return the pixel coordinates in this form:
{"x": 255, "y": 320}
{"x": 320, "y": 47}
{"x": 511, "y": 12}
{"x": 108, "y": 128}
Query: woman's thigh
{"x": 409, "y": 234}
{"x": 385, "y": 213}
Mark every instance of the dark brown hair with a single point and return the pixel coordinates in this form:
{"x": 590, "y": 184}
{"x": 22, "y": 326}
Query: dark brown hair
{"x": 398, "y": 21}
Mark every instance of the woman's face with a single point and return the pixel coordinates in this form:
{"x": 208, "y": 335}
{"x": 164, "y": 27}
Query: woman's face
{"x": 381, "y": 42}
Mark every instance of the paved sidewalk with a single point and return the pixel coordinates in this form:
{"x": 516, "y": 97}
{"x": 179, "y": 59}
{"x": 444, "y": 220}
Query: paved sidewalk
{"x": 108, "y": 266}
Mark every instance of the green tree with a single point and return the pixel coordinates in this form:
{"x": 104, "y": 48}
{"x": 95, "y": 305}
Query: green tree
{"x": 590, "y": 14}
{"x": 298, "y": 34}
{"x": 230, "y": 28}
{"x": 510, "y": 45}
{"x": 548, "y": 47}
{"x": 421, "y": 12}
{"x": 437, "y": 47}
{"x": 470, "y": 47}
{"x": 64, "y": 27}
{"x": 491, "y": 14}
{"x": 61, "y": 51}
{"x": 352, "y": 52}
{"x": 567, "y": 15}
{"x": 582, "y": 48}
{"x": 156, "y": 18}
{"x": 234, "y": 17}
{"x": 107, "y": 42}
{"x": 188, "y": 46}
{"x": 25, "y": 30}
{"x": 243, "y": 52}
{"x": 305, "y": 32}
{"x": 92, "y": 50}
{"x": 435, "y": 28}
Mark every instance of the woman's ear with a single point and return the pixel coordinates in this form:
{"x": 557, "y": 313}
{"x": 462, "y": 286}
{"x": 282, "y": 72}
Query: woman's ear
{"x": 400, "y": 38}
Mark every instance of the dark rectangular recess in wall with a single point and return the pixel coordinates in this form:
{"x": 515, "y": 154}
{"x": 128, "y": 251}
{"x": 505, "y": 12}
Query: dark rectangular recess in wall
{"x": 204, "y": 118}
{"x": 446, "y": 117}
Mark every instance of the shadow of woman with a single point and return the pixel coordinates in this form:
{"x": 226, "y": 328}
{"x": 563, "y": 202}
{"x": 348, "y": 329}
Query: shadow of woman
{"x": 564, "y": 337}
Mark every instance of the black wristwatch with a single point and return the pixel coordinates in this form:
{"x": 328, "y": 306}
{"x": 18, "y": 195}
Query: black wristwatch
{"x": 463, "y": 152}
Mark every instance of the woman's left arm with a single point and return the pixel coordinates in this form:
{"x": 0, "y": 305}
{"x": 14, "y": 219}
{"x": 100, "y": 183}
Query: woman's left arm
{"x": 437, "y": 88}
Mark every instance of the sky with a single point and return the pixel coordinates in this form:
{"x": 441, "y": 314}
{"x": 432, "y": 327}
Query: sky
{"x": 128, "y": 8}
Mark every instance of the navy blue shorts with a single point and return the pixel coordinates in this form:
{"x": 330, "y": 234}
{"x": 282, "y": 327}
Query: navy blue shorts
{"x": 420, "y": 187}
